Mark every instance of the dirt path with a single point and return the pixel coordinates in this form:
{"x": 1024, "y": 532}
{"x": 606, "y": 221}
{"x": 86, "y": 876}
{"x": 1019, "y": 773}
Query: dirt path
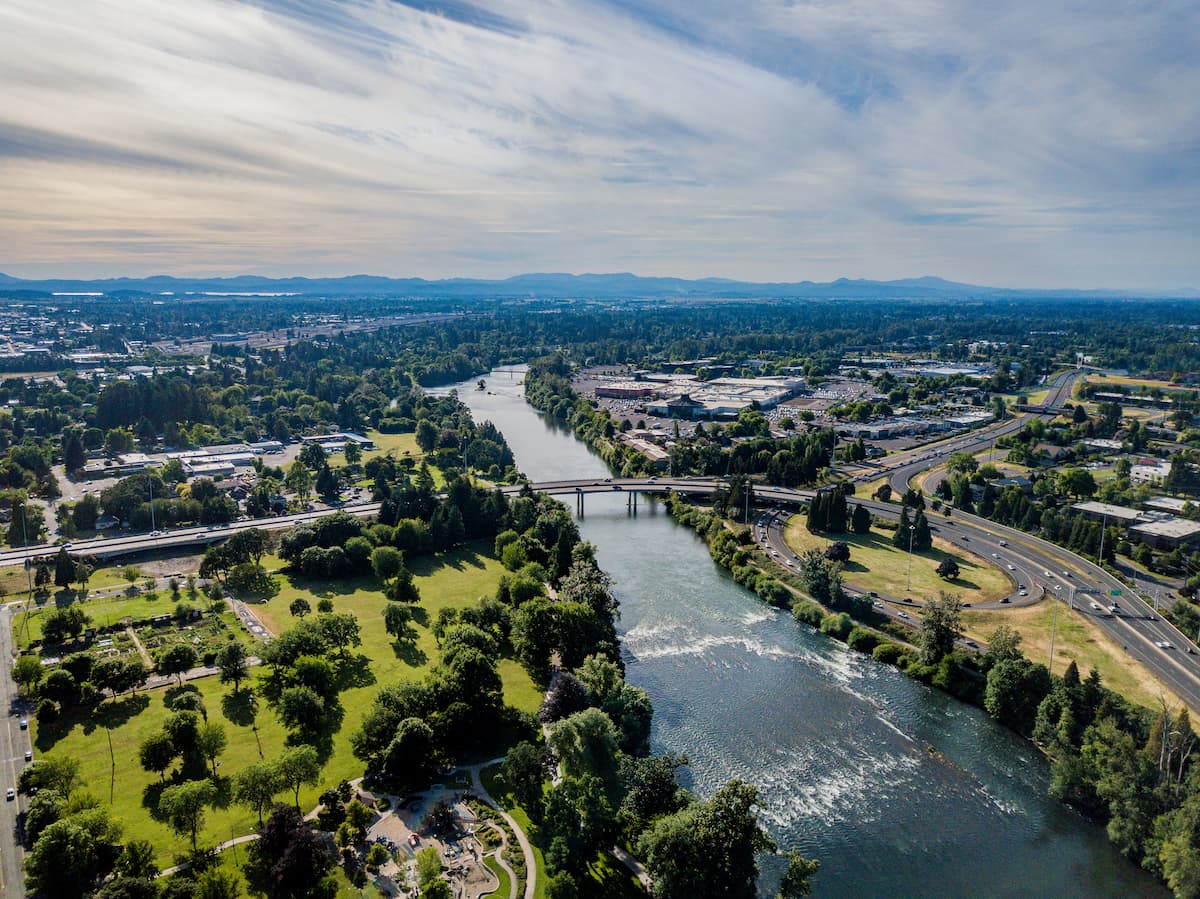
{"x": 140, "y": 648}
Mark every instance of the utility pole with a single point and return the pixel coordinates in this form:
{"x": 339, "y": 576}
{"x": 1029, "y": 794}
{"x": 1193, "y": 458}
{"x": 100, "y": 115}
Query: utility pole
{"x": 1103, "y": 528}
{"x": 912, "y": 529}
{"x": 150, "y": 486}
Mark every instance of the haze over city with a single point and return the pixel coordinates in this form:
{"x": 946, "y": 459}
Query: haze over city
{"x": 1015, "y": 145}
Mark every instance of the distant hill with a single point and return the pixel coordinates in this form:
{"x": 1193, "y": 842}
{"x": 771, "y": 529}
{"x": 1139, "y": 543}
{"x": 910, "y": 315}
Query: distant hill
{"x": 550, "y": 285}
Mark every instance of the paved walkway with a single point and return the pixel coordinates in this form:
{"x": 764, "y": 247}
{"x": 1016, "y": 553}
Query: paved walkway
{"x": 522, "y": 839}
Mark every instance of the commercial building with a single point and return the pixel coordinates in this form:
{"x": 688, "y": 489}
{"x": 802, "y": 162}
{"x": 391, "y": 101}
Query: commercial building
{"x": 1168, "y": 533}
{"x": 1147, "y": 472}
{"x": 336, "y": 442}
{"x": 1111, "y": 513}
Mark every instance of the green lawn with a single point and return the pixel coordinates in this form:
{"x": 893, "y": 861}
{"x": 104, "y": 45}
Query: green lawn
{"x": 454, "y": 580}
{"x": 14, "y": 582}
{"x": 877, "y": 565}
{"x": 502, "y": 891}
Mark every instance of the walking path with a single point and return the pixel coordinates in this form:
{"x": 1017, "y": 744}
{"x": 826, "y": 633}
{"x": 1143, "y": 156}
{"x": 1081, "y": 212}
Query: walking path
{"x": 522, "y": 839}
{"x": 137, "y": 644}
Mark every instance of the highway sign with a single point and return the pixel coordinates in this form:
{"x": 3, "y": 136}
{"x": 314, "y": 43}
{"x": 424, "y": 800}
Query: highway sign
{"x": 1114, "y": 593}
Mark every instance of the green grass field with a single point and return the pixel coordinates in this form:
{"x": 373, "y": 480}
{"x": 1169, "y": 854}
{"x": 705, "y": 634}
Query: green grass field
{"x": 877, "y": 565}
{"x": 1075, "y": 639}
{"x": 455, "y": 580}
{"x": 15, "y": 584}
{"x": 501, "y": 891}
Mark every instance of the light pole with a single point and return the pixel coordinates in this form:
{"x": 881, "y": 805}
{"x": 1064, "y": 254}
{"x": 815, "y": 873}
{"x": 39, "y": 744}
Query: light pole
{"x": 912, "y": 529}
{"x": 150, "y": 487}
{"x": 1054, "y": 629}
{"x": 1103, "y": 528}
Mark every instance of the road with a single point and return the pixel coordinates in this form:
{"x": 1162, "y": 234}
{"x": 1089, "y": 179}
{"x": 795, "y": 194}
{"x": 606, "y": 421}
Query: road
{"x": 13, "y": 744}
{"x": 180, "y": 538}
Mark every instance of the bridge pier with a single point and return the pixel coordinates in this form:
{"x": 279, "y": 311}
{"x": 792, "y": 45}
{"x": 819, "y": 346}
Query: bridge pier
{"x": 631, "y": 503}
{"x": 579, "y": 504}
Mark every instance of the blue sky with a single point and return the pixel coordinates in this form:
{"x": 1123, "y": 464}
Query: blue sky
{"x": 1013, "y": 143}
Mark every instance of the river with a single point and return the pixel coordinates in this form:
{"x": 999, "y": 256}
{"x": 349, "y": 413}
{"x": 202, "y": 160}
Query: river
{"x": 896, "y": 788}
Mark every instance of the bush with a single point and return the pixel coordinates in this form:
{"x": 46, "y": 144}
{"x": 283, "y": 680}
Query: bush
{"x": 862, "y": 640}
{"x": 889, "y": 653}
{"x": 808, "y": 612}
{"x": 837, "y": 625}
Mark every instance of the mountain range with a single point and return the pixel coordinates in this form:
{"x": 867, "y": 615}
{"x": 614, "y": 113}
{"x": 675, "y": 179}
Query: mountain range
{"x": 552, "y": 285}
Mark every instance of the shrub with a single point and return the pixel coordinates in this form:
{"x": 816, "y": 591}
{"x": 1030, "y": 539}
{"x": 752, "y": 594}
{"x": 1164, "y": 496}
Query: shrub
{"x": 837, "y": 625}
{"x": 808, "y": 612}
{"x": 887, "y": 652}
{"x": 862, "y": 640}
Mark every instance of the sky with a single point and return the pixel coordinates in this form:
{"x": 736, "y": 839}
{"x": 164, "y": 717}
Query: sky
{"x": 1015, "y": 143}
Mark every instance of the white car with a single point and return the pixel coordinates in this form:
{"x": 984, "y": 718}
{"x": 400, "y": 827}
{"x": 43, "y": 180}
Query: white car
{"x": 1012, "y": 567}
{"x": 1095, "y": 607}
{"x": 156, "y": 533}
{"x": 1163, "y": 644}
{"x": 1023, "y": 593}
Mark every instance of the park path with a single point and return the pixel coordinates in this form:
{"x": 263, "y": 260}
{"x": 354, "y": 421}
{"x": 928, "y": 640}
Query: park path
{"x": 522, "y": 839}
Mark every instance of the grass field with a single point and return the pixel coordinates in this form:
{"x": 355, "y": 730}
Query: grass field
{"x": 454, "y": 580}
{"x": 501, "y": 891}
{"x": 14, "y": 582}
{"x": 877, "y": 565}
{"x": 1125, "y": 381}
{"x": 1076, "y": 639}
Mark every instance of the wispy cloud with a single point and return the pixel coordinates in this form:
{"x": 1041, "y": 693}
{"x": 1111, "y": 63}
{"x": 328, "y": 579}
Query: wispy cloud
{"x": 1015, "y": 143}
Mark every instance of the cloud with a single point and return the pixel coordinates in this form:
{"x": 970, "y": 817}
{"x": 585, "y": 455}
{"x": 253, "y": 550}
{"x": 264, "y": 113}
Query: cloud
{"x": 1018, "y": 143}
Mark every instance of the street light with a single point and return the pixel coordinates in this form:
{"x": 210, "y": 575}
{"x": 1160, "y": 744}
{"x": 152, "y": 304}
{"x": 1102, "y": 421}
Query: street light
{"x": 912, "y": 529}
{"x": 1054, "y": 627}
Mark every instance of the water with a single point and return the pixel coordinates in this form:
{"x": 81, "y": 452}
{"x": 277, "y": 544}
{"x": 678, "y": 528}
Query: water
{"x": 896, "y": 788}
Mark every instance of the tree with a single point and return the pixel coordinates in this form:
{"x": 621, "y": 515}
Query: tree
{"x": 586, "y": 743}
{"x": 328, "y": 486}
{"x": 566, "y": 696}
{"x": 838, "y": 551}
{"x": 137, "y": 860}
{"x": 28, "y": 672}
{"x": 177, "y": 659}
{"x": 299, "y": 766}
{"x": 234, "y": 662}
{"x": 940, "y": 628}
{"x": 313, "y": 456}
{"x": 217, "y": 883}
{"x": 948, "y": 569}
{"x": 709, "y": 848}
{"x": 184, "y": 805}
{"x": 396, "y": 618}
{"x": 796, "y": 880}
{"x": 299, "y": 480}
{"x": 1015, "y": 689}
{"x": 64, "y": 569}
{"x": 578, "y": 820}
{"x": 74, "y": 455}
{"x": 290, "y": 860}
{"x": 157, "y": 753}
{"x": 387, "y": 562}
{"x": 922, "y": 537}
{"x": 860, "y": 521}
{"x": 1004, "y": 644}
{"x": 300, "y": 607}
{"x": 212, "y": 742}
{"x": 524, "y": 771}
{"x": 339, "y": 630}
{"x": 301, "y": 709}
{"x": 409, "y": 759}
{"x": 68, "y": 855}
{"x": 256, "y": 786}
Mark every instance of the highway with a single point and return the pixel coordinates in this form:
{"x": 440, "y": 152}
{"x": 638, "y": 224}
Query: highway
{"x": 13, "y": 744}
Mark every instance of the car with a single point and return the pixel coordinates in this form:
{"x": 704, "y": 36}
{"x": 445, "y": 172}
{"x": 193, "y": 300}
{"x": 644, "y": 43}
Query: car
{"x": 1066, "y": 573}
{"x": 68, "y": 545}
{"x": 1163, "y": 644}
{"x": 966, "y": 605}
{"x": 972, "y": 644}
{"x": 652, "y": 480}
{"x": 29, "y": 755}
{"x": 156, "y": 533}
{"x": 616, "y": 486}
{"x": 1005, "y": 599}
{"x": 1023, "y": 593}
{"x": 1114, "y": 608}
{"x": 1047, "y": 574}
{"x": 1095, "y": 607}
{"x": 903, "y": 615}
{"x": 1004, "y": 543}
{"x": 608, "y": 480}
{"x": 24, "y": 724}
{"x": 1012, "y": 567}
{"x": 12, "y": 794}
{"x": 964, "y": 538}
